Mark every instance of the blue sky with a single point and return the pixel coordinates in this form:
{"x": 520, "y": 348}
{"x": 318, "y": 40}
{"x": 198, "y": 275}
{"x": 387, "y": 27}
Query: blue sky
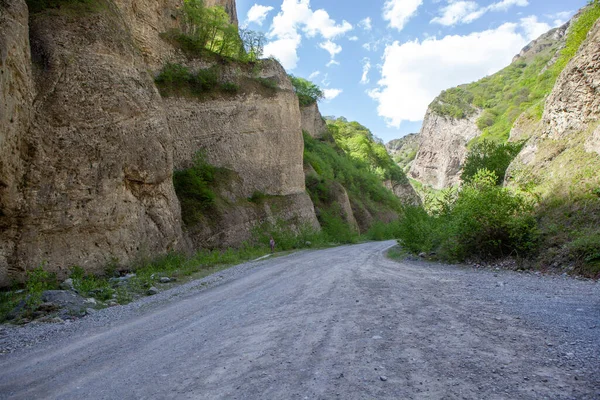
{"x": 381, "y": 62}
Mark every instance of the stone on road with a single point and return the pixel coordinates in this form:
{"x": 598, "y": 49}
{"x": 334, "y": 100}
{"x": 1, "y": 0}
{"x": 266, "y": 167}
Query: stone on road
{"x": 341, "y": 323}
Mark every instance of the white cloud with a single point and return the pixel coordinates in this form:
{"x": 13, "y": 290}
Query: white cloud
{"x": 366, "y": 24}
{"x": 366, "y": 62}
{"x": 331, "y": 94}
{"x": 331, "y": 48}
{"x": 285, "y": 50}
{"x": 560, "y": 18}
{"x": 414, "y": 73}
{"x": 314, "y": 75}
{"x": 533, "y": 28}
{"x": 455, "y": 12}
{"x": 467, "y": 11}
{"x": 295, "y": 17}
{"x": 506, "y": 4}
{"x": 257, "y": 14}
{"x": 320, "y": 24}
{"x": 353, "y": 38}
{"x": 398, "y": 12}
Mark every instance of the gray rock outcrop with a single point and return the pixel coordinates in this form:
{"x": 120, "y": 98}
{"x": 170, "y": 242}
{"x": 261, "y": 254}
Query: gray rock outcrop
{"x": 570, "y": 121}
{"x": 442, "y": 149}
{"x": 312, "y": 121}
{"x": 574, "y": 102}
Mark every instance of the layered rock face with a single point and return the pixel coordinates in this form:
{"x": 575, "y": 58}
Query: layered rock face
{"x": 569, "y": 124}
{"x": 312, "y": 121}
{"x": 442, "y": 149}
{"x": 98, "y": 149}
{"x": 147, "y": 20}
{"x": 258, "y": 137}
{"x": 574, "y": 103}
{"x": 16, "y": 97}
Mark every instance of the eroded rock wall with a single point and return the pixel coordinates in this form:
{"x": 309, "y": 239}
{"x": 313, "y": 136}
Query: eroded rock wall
{"x": 256, "y": 135}
{"x": 574, "y": 102}
{"x": 312, "y": 121}
{"x": 98, "y": 150}
{"x": 16, "y": 99}
{"x": 443, "y": 149}
{"x": 555, "y": 152}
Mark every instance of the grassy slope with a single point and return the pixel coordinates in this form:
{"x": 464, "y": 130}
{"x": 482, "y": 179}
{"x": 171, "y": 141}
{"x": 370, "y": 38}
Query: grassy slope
{"x": 521, "y": 86}
{"x": 364, "y": 186}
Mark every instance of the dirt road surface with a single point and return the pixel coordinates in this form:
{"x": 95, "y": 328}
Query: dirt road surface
{"x": 341, "y": 323}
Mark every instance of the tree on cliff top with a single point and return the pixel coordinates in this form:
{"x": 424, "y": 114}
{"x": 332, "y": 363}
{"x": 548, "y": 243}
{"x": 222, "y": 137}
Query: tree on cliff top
{"x": 308, "y": 93}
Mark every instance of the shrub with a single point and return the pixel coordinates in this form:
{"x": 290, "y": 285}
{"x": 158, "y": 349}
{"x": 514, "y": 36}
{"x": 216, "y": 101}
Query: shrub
{"x": 194, "y": 190}
{"x": 38, "y": 281}
{"x": 269, "y": 83}
{"x": 483, "y": 220}
{"x": 90, "y": 285}
{"x": 230, "y": 87}
{"x": 491, "y": 156}
{"x": 175, "y": 78}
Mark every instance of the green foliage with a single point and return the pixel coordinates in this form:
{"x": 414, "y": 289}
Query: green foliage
{"x": 333, "y": 164}
{"x": 577, "y": 33}
{"x": 89, "y": 285}
{"x": 268, "y": 83}
{"x": 209, "y": 30}
{"x": 334, "y": 227}
{"x": 483, "y": 220}
{"x": 455, "y": 103}
{"x": 175, "y": 79}
{"x": 308, "y": 93}
{"x": 230, "y": 87}
{"x": 490, "y": 156}
{"x": 523, "y": 85}
{"x": 383, "y": 231}
{"x": 193, "y": 188}
{"x": 287, "y": 238}
{"x": 258, "y": 197}
{"x": 360, "y": 144}
{"x": 38, "y": 281}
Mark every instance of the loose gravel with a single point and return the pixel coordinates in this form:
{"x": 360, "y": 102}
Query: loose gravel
{"x": 341, "y": 323}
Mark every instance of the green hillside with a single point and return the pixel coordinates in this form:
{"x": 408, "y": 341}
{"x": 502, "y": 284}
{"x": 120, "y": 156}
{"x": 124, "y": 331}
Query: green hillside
{"x": 522, "y": 86}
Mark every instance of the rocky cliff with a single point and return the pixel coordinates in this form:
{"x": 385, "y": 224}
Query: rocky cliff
{"x": 312, "y": 121}
{"x": 94, "y": 146}
{"x": 16, "y": 99}
{"x": 566, "y": 142}
{"x": 404, "y": 150}
{"x": 442, "y": 149}
{"x": 88, "y": 142}
{"x": 255, "y": 134}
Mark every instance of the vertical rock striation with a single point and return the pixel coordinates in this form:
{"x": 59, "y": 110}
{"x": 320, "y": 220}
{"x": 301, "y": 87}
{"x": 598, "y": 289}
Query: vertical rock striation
{"x": 442, "y": 149}
{"x": 16, "y": 99}
{"x": 312, "y": 121}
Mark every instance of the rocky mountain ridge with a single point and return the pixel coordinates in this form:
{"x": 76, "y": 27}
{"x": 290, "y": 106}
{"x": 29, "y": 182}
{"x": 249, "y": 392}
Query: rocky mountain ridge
{"x": 444, "y": 137}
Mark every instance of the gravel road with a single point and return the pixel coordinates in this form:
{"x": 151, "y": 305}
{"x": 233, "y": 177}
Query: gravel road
{"x": 341, "y": 323}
